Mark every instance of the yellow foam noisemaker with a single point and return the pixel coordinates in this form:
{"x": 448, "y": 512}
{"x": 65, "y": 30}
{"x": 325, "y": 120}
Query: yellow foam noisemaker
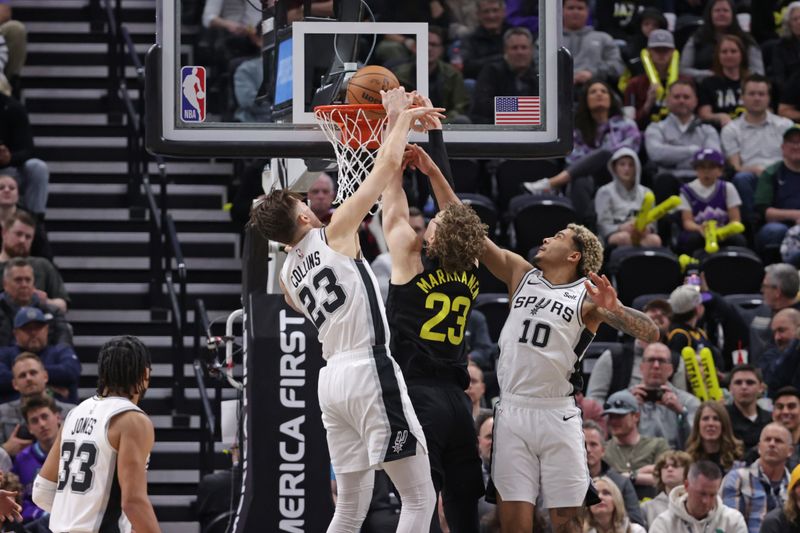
{"x": 685, "y": 260}
{"x": 710, "y": 375}
{"x": 649, "y": 214}
{"x": 652, "y": 73}
{"x": 714, "y": 235}
{"x": 693, "y": 374}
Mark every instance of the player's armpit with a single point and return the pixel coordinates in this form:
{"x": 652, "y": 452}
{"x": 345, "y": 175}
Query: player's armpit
{"x": 506, "y": 266}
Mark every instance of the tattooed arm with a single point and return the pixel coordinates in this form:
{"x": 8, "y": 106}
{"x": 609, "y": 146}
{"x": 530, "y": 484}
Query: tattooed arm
{"x": 602, "y": 305}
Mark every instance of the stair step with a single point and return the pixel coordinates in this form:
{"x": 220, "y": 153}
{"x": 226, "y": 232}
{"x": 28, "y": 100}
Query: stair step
{"x": 105, "y": 214}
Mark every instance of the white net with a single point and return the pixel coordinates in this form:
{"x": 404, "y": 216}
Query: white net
{"x": 356, "y": 133}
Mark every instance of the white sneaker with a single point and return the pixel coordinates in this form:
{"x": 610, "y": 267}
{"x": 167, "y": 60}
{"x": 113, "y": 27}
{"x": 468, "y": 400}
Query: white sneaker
{"x": 541, "y": 186}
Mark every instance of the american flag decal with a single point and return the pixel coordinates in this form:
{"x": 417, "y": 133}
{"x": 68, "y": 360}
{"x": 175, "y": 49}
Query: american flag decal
{"x": 517, "y": 110}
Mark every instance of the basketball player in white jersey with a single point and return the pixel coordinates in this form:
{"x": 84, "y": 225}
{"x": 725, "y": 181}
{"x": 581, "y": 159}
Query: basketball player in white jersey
{"x": 538, "y": 449}
{"x": 94, "y": 479}
{"x": 366, "y": 411}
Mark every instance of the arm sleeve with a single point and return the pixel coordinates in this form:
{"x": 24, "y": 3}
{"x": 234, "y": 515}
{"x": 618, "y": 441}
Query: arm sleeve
{"x": 212, "y": 9}
{"x": 756, "y": 59}
{"x": 663, "y": 153}
{"x": 605, "y": 217}
{"x": 438, "y": 152}
{"x": 730, "y": 491}
{"x": 66, "y": 368}
{"x": 632, "y": 503}
{"x": 5, "y": 373}
{"x": 611, "y": 66}
{"x": 44, "y": 492}
{"x": 687, "y": 62}
{"x": 764, "y": 190}
{"x": 730, "y": 140}
{"x": 54, "y": 284}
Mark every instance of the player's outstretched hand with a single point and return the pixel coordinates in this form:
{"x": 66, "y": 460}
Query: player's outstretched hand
{"x": 9, "y": 508}
{"x": 432, "y": 123}
{"x": 602, "y": 292}
{"x": 396, "y": 100}
{"x": 420, "y": 159}
{"x": 420, "y": 116}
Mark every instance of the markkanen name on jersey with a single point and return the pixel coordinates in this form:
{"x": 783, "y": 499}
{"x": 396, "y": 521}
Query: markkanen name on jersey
{"x": 439, "y": 277}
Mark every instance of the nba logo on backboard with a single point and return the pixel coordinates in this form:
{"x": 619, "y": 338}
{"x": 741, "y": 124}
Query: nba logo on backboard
{"x": 193, "y": 94}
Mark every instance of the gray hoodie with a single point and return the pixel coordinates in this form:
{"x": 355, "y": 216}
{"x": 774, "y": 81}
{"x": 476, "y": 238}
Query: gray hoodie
{"x": 615, "y": 204}
{"x": 594, "y": 51}
{"x": 721, "y": 519}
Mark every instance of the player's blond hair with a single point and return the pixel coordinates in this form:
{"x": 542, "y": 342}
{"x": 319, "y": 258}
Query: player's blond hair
{"x": 590, "y": 248}
{"x": 459, "y": 240}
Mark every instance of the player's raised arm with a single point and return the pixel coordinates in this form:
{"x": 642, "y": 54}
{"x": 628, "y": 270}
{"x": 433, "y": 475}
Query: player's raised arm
{"x": 136, "y": 437}
{"x": 347, "y": 218}
{"x": 602, "y": 305}
{"x": 505, "y": 265}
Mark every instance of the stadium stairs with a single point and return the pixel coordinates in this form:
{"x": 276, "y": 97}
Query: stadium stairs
{"x": 101, "y": 246}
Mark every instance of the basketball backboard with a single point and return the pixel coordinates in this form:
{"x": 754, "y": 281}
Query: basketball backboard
{"x": 195, "y": 92}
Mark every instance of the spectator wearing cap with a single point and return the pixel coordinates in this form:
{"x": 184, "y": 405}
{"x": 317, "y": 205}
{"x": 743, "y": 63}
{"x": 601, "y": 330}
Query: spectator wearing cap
{"x": 665, "y": 411}
{"x": 649, "y": 20}
{"x": 615, "y": 371}
{"x": 31, "y": 332}
{"x": 763, "y": 486}
{"x": 786, "y": 519}
{"x": 707, "y": 198}
{"x": 687, "y": 310}
{"x": 630, "y": 453}
{"x": 752, "y": 141}
{"x": 777, "y": 198}
{"x": 647, "y": 92}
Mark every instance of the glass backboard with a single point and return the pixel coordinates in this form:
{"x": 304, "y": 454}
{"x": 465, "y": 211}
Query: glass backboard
{"x": 223, "y": 89}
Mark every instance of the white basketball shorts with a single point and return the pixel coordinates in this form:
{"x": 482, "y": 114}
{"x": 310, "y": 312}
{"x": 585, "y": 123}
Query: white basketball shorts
{"x": 366, "y": 411}
{"x": 538, "y": 448}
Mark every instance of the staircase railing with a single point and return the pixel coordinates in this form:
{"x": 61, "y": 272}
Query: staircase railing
{"x": 164, "y": 247}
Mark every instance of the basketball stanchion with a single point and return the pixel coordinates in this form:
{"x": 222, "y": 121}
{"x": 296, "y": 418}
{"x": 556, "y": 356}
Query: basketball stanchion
{"x": 714, "y": 234}
{"x": 356, "y": 133}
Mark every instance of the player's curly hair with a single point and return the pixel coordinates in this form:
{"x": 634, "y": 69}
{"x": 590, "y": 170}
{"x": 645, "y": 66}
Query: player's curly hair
{"x": 590, "y": 248}
{"x": 459, "y": 238}
{"x": 121, "y": 366}
{"x": 274, "y": 215}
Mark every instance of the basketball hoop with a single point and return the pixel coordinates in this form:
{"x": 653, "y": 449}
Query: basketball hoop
{"x": 356, "y": 133}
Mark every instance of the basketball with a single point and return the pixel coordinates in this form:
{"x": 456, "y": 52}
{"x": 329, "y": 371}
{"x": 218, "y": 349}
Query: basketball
{"x": 366, "y": 85}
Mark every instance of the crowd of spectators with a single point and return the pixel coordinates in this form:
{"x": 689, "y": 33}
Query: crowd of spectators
{"x": 39, "y": 369}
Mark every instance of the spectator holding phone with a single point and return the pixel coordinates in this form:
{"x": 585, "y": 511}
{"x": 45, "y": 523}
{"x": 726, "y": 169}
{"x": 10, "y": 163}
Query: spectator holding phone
{"x": 666, "y": 411}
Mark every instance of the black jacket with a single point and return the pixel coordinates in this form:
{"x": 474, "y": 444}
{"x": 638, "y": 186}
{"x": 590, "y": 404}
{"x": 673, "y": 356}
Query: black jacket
{"x": 15, "y": 130}
{"x": 497, "y": 79}
{"x": 480, "y": 48}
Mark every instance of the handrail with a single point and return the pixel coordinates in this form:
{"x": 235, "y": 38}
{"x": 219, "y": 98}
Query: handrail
{"x": 202, "y": 329}
{"x": 164, "y": 243}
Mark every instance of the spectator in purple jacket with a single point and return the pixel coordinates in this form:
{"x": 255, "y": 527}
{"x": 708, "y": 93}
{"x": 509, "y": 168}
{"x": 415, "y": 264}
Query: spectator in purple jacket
{"x": 62, "y": 364}
{"x": 600, "y": 130}
{"x": 43, "y": 419}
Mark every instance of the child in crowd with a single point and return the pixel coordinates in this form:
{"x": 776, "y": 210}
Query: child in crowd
{"x": 617, "y": 203}
{"x": 707, "y": 198}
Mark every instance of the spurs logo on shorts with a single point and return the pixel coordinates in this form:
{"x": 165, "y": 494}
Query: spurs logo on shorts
{"x": 400, "y": 441}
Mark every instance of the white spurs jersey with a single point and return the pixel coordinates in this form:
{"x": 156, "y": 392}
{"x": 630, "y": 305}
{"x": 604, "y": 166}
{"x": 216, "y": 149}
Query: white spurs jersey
{"x": 337, "y": 293}
{"x": 544, "y": 338}
{"x": 88, "y": 496}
